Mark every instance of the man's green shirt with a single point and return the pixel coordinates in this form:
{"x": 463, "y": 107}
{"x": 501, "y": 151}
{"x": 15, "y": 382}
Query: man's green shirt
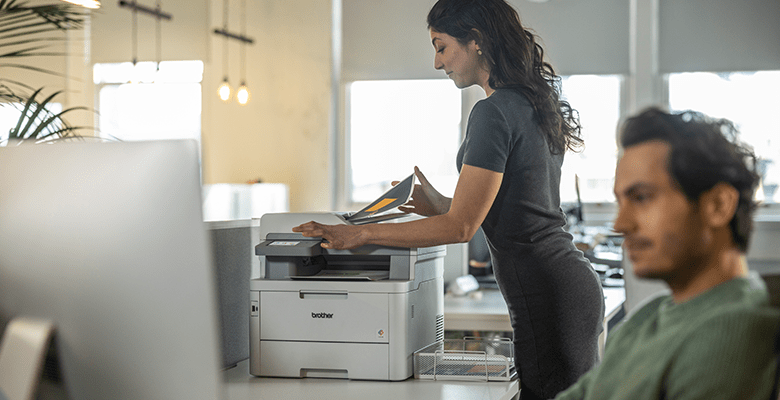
{"x": 718, "y": 345}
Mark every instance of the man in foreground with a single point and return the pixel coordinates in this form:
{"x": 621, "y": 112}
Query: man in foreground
{"x": 685, "y": 197}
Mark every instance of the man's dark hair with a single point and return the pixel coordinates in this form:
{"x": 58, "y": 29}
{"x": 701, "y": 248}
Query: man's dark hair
{"x": 704, "y": 152}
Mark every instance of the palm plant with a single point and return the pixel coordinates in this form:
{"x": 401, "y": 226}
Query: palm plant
{"x": 31, "y": 31}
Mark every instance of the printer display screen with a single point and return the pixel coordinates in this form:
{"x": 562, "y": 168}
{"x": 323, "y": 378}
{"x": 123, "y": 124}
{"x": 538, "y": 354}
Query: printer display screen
{"x": 280, "y": 243}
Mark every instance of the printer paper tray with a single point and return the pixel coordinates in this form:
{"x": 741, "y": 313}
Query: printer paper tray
{"x": 346, "y": 275}
{"x": 349, "y": 360}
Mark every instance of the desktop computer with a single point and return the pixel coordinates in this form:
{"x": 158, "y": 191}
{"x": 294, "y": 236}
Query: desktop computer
{"x": 106, "y": 242}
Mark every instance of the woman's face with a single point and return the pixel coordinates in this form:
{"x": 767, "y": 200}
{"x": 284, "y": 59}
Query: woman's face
{"x": 461, "y": 62}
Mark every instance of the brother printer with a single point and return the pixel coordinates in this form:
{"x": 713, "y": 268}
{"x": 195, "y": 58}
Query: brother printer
{"x": 354, "y": 314}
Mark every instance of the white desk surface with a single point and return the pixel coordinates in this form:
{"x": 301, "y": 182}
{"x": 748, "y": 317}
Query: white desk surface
{"x": 488, "y": 312}
{"x": 240, "y": 386}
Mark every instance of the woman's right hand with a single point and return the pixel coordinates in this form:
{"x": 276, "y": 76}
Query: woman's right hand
{"x": 425, "y": 200}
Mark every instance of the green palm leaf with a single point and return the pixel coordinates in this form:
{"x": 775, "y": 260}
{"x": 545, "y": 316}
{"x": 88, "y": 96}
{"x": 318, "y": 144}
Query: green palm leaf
{"x": 16, "y": 133}
{"x": 38, "y": 108}
{"x": 40, "y": 124}
{"x": 30, "y": 31}
{"x": 52, "y": 125}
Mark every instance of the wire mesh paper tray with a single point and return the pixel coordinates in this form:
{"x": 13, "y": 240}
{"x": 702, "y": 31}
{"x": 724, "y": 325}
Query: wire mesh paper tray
{"x": 466, "y": 359}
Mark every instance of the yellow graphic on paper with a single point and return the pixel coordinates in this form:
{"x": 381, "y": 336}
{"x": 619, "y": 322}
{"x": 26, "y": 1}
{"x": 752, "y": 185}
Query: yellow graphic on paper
{"x": 381, "y": 204}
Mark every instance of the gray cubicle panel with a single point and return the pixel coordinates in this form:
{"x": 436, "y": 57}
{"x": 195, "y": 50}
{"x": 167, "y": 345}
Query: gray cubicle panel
{"x": 763, "y": 255}
{"x": 234, "y": 260}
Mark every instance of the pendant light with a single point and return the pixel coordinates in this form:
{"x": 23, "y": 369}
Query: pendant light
{"x": 225, "y": 91}
{"x": 243, "y": 94}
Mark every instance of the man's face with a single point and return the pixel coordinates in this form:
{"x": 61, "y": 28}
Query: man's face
{"x": 663, "y": 231}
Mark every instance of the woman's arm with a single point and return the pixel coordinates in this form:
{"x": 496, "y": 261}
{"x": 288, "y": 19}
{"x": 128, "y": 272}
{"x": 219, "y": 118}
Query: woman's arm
{"x": 474, "y": 195}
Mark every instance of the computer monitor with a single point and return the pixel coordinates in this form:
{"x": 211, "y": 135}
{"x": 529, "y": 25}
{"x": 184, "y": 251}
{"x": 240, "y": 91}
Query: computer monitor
{"x": 107, "y": 241}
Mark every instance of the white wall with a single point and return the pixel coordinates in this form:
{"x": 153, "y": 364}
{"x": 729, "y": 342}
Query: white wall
{"x": 282, "y": 135}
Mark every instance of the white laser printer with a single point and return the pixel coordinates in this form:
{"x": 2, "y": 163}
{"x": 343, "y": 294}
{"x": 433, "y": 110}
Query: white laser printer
{"x": 355, "y": 314}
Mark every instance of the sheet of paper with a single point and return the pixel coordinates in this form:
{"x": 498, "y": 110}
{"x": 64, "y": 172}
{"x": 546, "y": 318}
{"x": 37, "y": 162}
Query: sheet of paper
{"x": 396, "y": 196}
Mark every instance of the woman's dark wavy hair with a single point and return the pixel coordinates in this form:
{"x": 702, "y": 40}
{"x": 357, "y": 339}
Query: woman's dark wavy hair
{"x": 704, "y": 152}
{"x": 516, "y": 61}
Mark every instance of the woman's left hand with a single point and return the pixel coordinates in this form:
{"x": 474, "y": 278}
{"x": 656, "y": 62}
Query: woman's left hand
{"x": 339, "y": 237}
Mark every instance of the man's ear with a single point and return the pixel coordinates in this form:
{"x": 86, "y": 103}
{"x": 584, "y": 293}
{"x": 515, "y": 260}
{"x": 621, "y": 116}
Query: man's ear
{"x": 719, "y": 204}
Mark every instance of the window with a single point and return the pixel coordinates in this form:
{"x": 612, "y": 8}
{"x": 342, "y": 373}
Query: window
{"x": 169, "y": 100}
{"x": 597, "y": 99}
{"x": 749, "y": 99}
{"x": 395, "y": 125}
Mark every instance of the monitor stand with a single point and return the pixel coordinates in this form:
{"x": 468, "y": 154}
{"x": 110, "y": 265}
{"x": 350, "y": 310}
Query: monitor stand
{"x": 22, "y": 356}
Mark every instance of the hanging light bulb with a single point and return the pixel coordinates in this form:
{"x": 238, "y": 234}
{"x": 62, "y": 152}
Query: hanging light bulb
{"x": 224, "y": 90}
{"x": 243, "y": 94}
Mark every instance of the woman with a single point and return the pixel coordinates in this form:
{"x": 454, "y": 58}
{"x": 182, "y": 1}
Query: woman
{"x": 510, "y": 167}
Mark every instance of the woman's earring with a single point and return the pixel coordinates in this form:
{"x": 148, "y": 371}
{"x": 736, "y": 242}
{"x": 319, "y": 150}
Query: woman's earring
{"x": 479, "y": 52}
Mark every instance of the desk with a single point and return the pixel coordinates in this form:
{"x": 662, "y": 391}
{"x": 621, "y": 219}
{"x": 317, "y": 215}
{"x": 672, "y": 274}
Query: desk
{"x": 489, "y": 313}
{"x": 240, "y": 386}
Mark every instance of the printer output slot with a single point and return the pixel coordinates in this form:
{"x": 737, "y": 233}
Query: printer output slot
{"x": 284, "y": 267}
{"x": 343, "y": 265}
{"x": 366, "y": 263}
{"x": 339, "y": 267}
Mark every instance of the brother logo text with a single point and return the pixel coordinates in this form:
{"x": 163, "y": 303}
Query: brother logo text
{"x": 321, "y": 315}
